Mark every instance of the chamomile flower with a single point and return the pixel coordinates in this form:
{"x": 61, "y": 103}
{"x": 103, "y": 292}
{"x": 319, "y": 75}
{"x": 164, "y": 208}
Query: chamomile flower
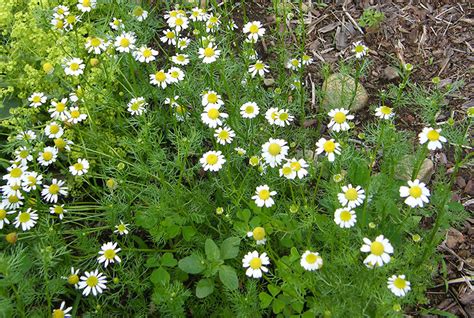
{"x": 62, "y": 311}
{"x": 212, "y": 161}
{"x": 61, "y": 11}
{"x": 108, "y": 254}
{"x": 306, "y": 59}
{"x": 12, "y": 201}
{"x": 224, "y": 135}
{"x": 73, "y": 277}
{"x": 136, "y": 106}
{"x": 283, "y": 118}
{"x": 26, "y": 135}
{"x": 351, "y": 197}
{"x": 212, "y": 23}
{"x": 311, "y": 261}
{"x": 416, "y": 193}
{"x": 212, "y": 117}
{"x": 70, "y": 21}
{"x": 211, "y": 98}
{"x": 379, "y": 251}
{"x": 179, "y": 23}
{"x": 433, "y": 137}
{"x": 249, "y": 110}
{"x": 47, "y": 156}
{"x": 75, "y": 116}
{"x": 240, "y": 151}
{"x": 258, "y": 235}
{"x": 254, "y": 30}
{"x": 59, "y": 109}
{"x": 209, "y": 54}
{"x": 180, "y": 59}
{"x": 14, "y": 174}
{"x": 3, "y": 215}
{"x": 58, "y": 210}
{"x": 27, "y": 220}
{"x": 139, "y": 13}
{"x": 271, "y": 115}
{"x": 37, "y": 99}
{"x": 23, "y": 155}
{"x": 86, "y": 5}
{"x": 12, "y": 188}
{"x": 125, "y": 42}
{"x": 63, "y": 144}
{"x": 293, "y": 64}
{"x": 398, "y": 285}
{"x": 183, "y": 43}
{"x": 80, "y": 168}
{"x": 50, "y": 193}
{"x": 197, "y": 14}
{"x": 169, "y": 37}
{"x": 121, "y": 228}
{"x": 255, "y": 264}
{"x": 116, "y": 24}
{"x": 58, "y": 23}
{"x": 145, "y": 54}
{"x": 53, "y": 130}
{"x": 263, "y": 196}
{"x": 287, "y": 172}
{"x": 175, "y": 74}
{"x": 258, "y": 68}
{"x": 274, "y": 151}
{"x": 232, "y": 25}
{"x": 339, "y": 118}
{"x": 359, "y": 49}
{"x": 299, "y": 167}
{"x": 96, "y": 45}
{"x": 94, "y": 282}
{"x": 160, "y": 79}
{"x": 74, "y": 67}
{"x": 345, "y": 217}
{"x": 384, "y": 112}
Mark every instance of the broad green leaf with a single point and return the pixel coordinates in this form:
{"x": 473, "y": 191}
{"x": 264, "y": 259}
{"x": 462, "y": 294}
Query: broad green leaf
{"x": 168, "y": 260}
{"x": 191, "y": 264}
{"x": 244, "y": 215}
{"x": 265, "y": 300}
{"x": 228, "y": 277}
{"x": 160, "y": 276}
{"x": 230, "y": 248}
{"x": 274, "y": 290}
{"x": 277, "y": 306}
{"x": 204, "y": 288}
{"x": 212, "y": 251}
{"x": 188, "y": 232}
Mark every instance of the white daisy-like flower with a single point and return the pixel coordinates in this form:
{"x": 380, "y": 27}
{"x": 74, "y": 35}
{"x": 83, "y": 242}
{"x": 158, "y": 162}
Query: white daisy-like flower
{"x": 3, "y": 215}
{"x": 145, "y": 54}
{"x": 63, "y": 144}
{"x": 31, "y": 181}
{"x": 293, "y": 64}
{"x": 212, "y": 161}
{"x": 271, "y": 115}
{"x": 58, "y": 210}
{"x": 26, "y": 135}
{"x": 125, "y": 42}
{"x": 80, "y": 168}
{"x": 299, "y": 166}
{"x": 94, "y": 282}
{"x": 139, "y": 13}
{"x": 283, "y": 118}
{"x": 345, "y": 217}
{"x": 96, "y": 45}
{"x": 254, "y": 30}
{"x": 73, "y": 277}
{"x": 74, "y": 67}
{"x": 198, "y": 14}
{"x": 211, "y": 98}
{"x": 212, "y": 23}
{"x": 212, "y": 117}
{"x": 37, "y": 99}
{"x": 351, "y": 197}
{"x": 416, "y": 193}
{"x": 62, "y": 311}
{"x": 179, "y": 23}
{"x": 274, "y": 151}
{"x": 384, "y": 112}
{"x": 59, "y": 109}
{"x": 287, "y": 172}
{"x": 339, "y": 118}
{"x": 311, "y": 261}
{"x": 50, "y": 193}
{"x": 209, "y": 54}
{"x": 263, "y": 196}
{"x": 86, "y": 5}
{"x": 12, "y": 201}
{"x": 116, "y": 24}
{"x": 359, "y": 49}
{"x": 329, "y": 147}
{"x": 183, "y": 43}
{"x": 14, "y": 174}
{"x": 240, "y": 151}
{"x": 232, "y": 25}
{"x": 306, "y": 59}
{"x": 23, "y": 155}
{"x": 169, "y": 37}
{"x": 249, "y": 110}
{"x": 27, "y": 220}
{"x": 175, "y": 74}
{"x": 224, "y": 135}
{"x": 70, "y": 21}
{"x": 379, "y": 251}
{"x": 180, "y": 59}
{"x": 255, "y": 264}
{"x": 121, "y": 228}
{"x": 258, "y": 68}
{"x": 433, "y": 137}
{"x": 258, "y": 235}
{"x": 61, "y": 11}
{"x": 160, "y": 79}
{"x": 53, "y": 130}
{"x": 47, "y": 156}
{"x": 398, "y": 285}
{"x": 11, "y": 189}
{"x": 136, "y": 106}
{"x": 108, "y": 254}
{"x": 75, "y": 116}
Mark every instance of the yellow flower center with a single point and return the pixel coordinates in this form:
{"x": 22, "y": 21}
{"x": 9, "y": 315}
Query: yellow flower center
{"x": 345, "y": 216}
{"x": 147, "y": 53}
{"x": 254, "y": 160}
{"x": 24, "y": 217}
{"x": 170, "y": 35}
{"x": 180, "y": 58}
{"x": 224, "y": 134}
{"x": 54, "y": 189}
{"x": 212, "y": 98}
{"x": 73, "y": 279}
{"x": 400, "y": 283}
{"x": 433, "y": 135}
{"x": 259, "y": 66}
{"x": 95, "y": 42}
{"x": 31, "y": 180}
{"x": 92, "y": 281}
{"x": 212, "y": 159}
{"x": 256, "y": 263}
{"x": 160, "y": 76}
{"x": 264, "y": 194}
{"x": 23, "y": 154}
{"x": 213, "y": 20}
{"x": 54, "y": 129}
{"x": 274, "y": 149}
{"x": 295, "y": 166}
{"x": 209, "y": 52}
{"x": 329, "y": 146}
{"x": 13, "y": 199}
{"x": 58, "y": 209}
{"x": 295, "y": 62}
{"x": 351, "y": 194}
{"x": 60, "y": 107}
{"x": 258, "y": 233}
{"x": 109, "y": 254}
{"x": 124, "y": 42}
{"x": 36, "y": 99}
{"x": 283, "y": 116}
{"x": 138, "y": 11}
{"x": 415, "y": 192}
{"x": 180, "y": 109}
{"x": 78, "y": 166}
{"x": 175, "y": 74}
{"x": 58, "y": 313}
{"x": 253, "y": 28}
{"x": 340, "y": 117}
{"x": 16, "y": 172}
{"x": 385, "y": 110}
{"x": 179, "y": 21}
{"x": 47, "y": 155}
{"x": 70, "y": 19}
{"x": 286, "y": 170}
{"x": 60, "y": 143}
{"x": 75, "y": 114}
{"x": 74, "y": 66}
{"x": 249, "y": 109}
{"x": 213, "y": 113}
{"x": 376, "y": 248}
{"x": 3, "y": 214}
{"x": 121, "y": 227}
{"x": 359, "y": 49}
{"x": 86, "y": 3}
{"x": 311, "y": 258}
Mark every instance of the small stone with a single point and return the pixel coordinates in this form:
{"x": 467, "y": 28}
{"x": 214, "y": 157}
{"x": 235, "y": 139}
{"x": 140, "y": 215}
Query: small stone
{"x": 406, "y": 165}
{"x": 460, "y": 182}
{"x": 390, "y": 73}
{"x": 469, "y": 189}
{"x": 268, "y": 81}
{"x": 454, "y": 238}
{"x": 338, "y": 90}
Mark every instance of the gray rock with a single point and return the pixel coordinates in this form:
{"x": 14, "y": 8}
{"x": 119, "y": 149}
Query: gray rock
{"x": 405, "y": 169}
{"x": 338, "y": 90}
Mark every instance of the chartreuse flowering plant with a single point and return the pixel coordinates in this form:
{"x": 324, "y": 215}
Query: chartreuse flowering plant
{"x": 155, "y": 161}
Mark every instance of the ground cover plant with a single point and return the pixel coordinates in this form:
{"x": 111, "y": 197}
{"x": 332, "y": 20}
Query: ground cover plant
{"x": 157, "y": 161}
